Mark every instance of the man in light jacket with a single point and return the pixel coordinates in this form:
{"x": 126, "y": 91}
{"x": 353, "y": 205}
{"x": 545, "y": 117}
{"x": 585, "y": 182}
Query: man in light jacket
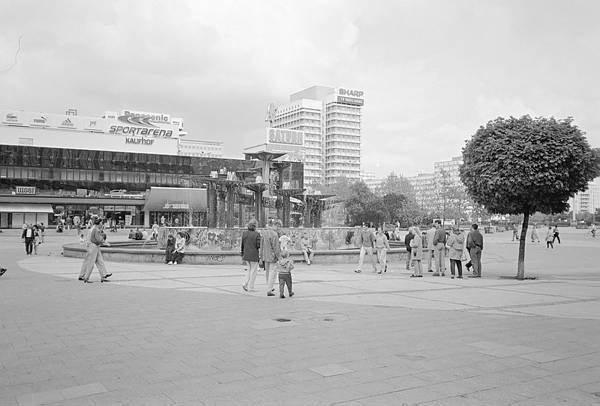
{"x": 439, "y": 247}
{"x": 270, "y": 253}
{"x": 94, "y": 256}
{"x": 366, "y": 241}
{"x": 430, "y": 235}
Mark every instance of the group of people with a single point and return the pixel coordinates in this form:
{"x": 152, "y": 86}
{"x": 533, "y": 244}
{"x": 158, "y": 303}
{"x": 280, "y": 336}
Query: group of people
{"x": 33, "y": 236}
{"x": 432, "y": 245}
{"x": 270, "y": 250}
{"x": 552, "y": 235}
{"x": 175, "y": 248}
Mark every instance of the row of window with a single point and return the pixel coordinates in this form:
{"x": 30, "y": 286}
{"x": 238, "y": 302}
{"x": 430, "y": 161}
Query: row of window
{"x": 351, "y": 117}
{"x": 74, "y": 161}
{"x": 343, "y": 123}
{"x": 336, "y": 108}
{"x": 82, "y": 175}
{"x": 342, "y": 130}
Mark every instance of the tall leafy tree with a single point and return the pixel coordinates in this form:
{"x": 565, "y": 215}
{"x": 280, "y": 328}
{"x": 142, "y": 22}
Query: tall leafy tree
{"x": 523, "y": 165}
{"x": 396, "y": 184}
{"x": 364, "y": 206}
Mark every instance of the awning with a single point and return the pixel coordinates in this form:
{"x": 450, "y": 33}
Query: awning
{"x": 25, "y": 208}
{"x": 176, "y": 199}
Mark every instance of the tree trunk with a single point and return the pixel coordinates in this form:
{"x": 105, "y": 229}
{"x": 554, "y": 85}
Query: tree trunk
{"x": 522, "y": 240}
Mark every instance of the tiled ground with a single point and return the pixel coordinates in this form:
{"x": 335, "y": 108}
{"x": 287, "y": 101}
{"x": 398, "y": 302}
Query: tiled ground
{"x": 186, "y": 335}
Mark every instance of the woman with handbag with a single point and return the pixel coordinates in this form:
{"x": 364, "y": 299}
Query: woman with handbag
{"x": 249, "y": 251}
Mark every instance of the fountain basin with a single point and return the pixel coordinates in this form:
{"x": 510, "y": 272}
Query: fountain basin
{"x": 137, "y": 252}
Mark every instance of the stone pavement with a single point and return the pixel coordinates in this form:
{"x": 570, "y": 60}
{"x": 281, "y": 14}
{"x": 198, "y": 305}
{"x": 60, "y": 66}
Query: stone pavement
{"x": 189, "y": 335}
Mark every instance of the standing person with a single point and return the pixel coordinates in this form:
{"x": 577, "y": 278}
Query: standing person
{"x": 556, "y": 235}
{"x": 366, "y": 240}
{"x": 534, "y": 234}
{"x": 456, "y": 245}
{"x": 269, "y": 252}
{"x": 439, "y": 249}
{"x": 306, "y": 250}
{"x": 284, "y": 268}
{"x": 94, "y": 255}
{"x": 382, "y": 245}
{"x": 550, "y": 238}
{"x": 37, "y": 239}
{"x": 284, "y": 242}
{"x": 430, "y": 247}
{"x": 179, "y": 250}
{"x": 169, "y": 250}
{"x": 155, "y": 229}
{"x": 475, "y": 246}
{"x": 417, "y": 252}
{"x": 249, "y": 251}
{"x": 593, "y": 230}
{"x": 407, "y": 239}
{"x": 514, "y": 233}
{"x": 28, "y": 235}
{"x": 42, "y": 233}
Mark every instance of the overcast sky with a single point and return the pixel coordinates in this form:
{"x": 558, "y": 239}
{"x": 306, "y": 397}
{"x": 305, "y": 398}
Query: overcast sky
{"x": 432, "y": 71}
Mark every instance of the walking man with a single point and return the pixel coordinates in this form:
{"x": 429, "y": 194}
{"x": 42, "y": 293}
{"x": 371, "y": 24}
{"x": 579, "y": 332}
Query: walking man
{"x": 270, "y": 253}
{"x": 439, "y": 249}
{"x": 366, "y": 241}
{"x": 28, "y": 236}
{"x": 475, "y": 246}
{"x": 94, "y": 256}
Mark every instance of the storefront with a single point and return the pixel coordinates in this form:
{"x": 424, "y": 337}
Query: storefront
{"x": 176, "y": 207}
{"x": 14, "y": 215}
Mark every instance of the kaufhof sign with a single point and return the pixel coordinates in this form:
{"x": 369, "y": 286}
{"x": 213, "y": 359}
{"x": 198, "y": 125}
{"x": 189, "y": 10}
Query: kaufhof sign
{"x": 284, "y": 136}
{"x": 349, "y": 96}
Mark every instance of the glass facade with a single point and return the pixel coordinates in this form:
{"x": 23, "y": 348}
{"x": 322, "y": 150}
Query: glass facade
{"x": 55, "y": 169}
{"x": 64, "y": 175}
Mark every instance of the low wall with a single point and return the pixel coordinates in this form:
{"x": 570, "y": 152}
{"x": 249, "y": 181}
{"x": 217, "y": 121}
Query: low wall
{"x": 229, "y": 239}
{"x": 139, "y": 255}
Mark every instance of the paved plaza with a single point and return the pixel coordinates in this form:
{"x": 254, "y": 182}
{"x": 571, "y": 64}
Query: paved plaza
{"x": 189, "y": 335}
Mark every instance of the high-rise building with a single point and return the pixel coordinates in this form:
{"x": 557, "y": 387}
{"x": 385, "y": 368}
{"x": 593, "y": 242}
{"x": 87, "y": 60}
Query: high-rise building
{"x": 371, "y": 180}
{"x": 587, "y": 201}
{"x": 434, "y": 190}
{"x": 331, "y": 121}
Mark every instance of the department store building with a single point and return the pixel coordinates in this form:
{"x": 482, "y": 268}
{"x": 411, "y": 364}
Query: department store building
{"x": 127, "y": 167}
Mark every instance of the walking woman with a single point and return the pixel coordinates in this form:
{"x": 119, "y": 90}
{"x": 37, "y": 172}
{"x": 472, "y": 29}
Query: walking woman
{"x": 250, "y": 247}
{"x": 417, "y": 253}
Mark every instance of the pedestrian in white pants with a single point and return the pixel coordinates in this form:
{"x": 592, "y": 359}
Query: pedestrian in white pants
{"x": 382, "y": 245}
{"x": 269, "y": 252}
{"x": 439, "y": 244}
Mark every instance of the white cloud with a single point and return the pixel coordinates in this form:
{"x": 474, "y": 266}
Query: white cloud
{"x": 432, "y": 71}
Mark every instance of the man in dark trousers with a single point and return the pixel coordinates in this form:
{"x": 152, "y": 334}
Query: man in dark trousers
{"x": 28, "y": 237}
{"x": 475, "y": 246}
{"x": 409, "y": 236}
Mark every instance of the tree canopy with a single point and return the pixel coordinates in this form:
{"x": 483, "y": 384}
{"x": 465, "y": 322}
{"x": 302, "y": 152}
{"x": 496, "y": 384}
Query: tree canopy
{"x": 397, "y": 184}
{"x": 523, "y": 165}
